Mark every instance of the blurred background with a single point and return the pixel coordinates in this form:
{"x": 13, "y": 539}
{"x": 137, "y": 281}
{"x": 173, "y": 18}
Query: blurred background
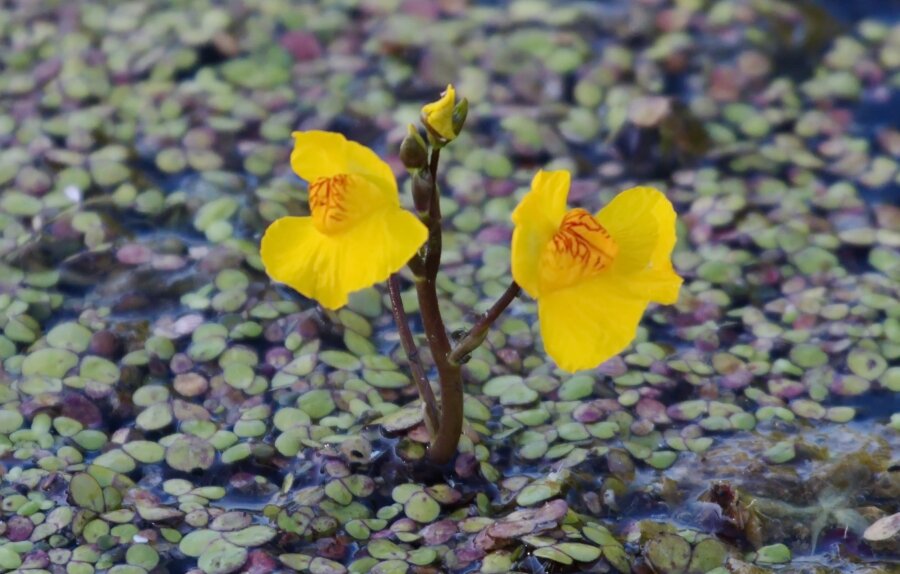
{"x": 154, "y": 382}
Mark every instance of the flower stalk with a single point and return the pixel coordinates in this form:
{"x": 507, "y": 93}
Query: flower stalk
{"x": 477, "y": 334}
{"x": 408, "y": 342}
{"x": 449, "y": 428}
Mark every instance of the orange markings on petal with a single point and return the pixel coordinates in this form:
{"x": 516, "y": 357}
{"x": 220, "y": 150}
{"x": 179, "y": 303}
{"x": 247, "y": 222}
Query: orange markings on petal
{"x": 580, "y": 249}
{"x": 327, "y": 202}
{"x": 339, "y": 202}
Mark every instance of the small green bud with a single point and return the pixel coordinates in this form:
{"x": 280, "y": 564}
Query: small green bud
{"x": 413, "y": 150}
{"x": 460, "y": 111}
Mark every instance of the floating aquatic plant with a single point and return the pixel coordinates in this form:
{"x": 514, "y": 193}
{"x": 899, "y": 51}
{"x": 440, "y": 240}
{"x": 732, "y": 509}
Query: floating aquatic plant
{"x": 143, "y": 153}
{"x": 592, "y": 275}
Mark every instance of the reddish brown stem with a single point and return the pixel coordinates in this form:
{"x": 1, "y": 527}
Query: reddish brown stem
{"x": 445, "y": 440}
{"x": 443, "y": 444}
{"x": 412, "y": 354}
{"x": 479, "y": 330}
{"x": 435, "y": 232}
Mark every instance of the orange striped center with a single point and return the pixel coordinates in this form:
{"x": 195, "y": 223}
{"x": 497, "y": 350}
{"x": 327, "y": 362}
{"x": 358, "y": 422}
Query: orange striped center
{"x": 328, "y": 198}
{"x": 580, "y": 249}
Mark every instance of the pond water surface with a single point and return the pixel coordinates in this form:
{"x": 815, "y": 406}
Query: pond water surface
{"x": 167, "y": 408}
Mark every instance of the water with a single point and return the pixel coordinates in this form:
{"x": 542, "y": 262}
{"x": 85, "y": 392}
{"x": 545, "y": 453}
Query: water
{"x": 174, "y": 123}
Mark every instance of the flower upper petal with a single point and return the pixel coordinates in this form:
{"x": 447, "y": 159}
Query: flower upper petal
{"x": 536, "y": 219}
{"x": 588, "y": 323}
{"x": 328, "y": 267}
{"x": 439, "y": 114}
{"x": 320, "y": 154}
{"x": 641, "y": 220}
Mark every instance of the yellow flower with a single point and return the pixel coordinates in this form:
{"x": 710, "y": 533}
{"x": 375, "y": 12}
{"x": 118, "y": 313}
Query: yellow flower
{"x": 357, "y": 233}
{"x": 438, "y": 116}
{"x": 592, "y": 275}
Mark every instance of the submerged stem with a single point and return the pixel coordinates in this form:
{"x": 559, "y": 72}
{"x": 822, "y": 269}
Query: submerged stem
{"x": 412, "y": 355}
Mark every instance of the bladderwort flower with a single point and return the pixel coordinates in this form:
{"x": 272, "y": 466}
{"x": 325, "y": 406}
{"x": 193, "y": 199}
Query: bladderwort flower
{"x": 592, "y": 275}
{"x": 356, "y": 235}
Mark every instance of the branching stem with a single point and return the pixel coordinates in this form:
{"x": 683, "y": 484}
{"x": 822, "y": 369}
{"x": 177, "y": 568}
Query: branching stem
{"x": 479, "y": 330}
{"x": 449, "y": 414}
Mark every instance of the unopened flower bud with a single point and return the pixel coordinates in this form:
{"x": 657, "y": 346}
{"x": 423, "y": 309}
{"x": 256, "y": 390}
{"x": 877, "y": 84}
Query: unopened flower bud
{"x": 438, "y": 116}
{"x": 413, "y": 150}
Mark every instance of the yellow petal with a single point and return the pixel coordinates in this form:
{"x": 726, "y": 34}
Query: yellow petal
{"x": 641, "y": 220}
{"x": 536, "y": 220}
{"x": 319, "y": 154}
{"x": 588, "y": 323}
{"x": 659, "y": 286}
{"x": 439, "y": 115}
{"x": 328, "y": 268}
{"x": 381, "y": 245}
